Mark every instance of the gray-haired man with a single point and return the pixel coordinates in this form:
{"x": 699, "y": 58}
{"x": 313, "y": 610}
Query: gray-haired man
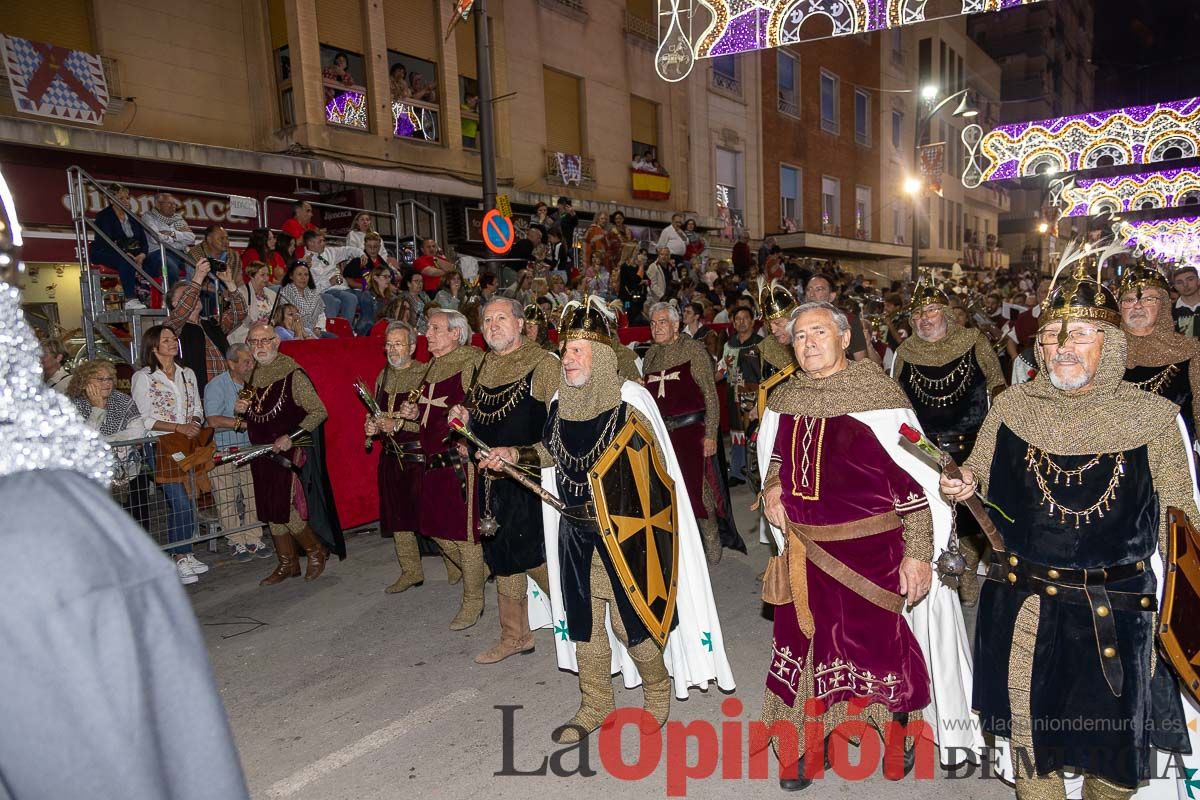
{"x": 233, "y": 486}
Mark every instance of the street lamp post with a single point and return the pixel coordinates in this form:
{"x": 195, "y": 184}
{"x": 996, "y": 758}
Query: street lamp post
{"x": 927, "y": 95}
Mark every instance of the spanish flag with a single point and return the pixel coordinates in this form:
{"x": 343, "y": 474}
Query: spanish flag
{"x": 651, "y": 185}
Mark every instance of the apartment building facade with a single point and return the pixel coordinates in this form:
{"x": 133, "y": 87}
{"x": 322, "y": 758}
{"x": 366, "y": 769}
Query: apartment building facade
{"x": 822, "y": 140}
{"x": 377, "y": 103}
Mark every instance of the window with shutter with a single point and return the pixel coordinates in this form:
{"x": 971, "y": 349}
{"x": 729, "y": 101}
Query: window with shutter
{"x": 727, "y": 169}
{"x": 66, "y": 23}
{"x": 340, "y": 24}
{"x": 464, "y": 46}
{"x": 411, "y": 27}
{"x": 643, "y": 124}
{"x": 562, "y": 95}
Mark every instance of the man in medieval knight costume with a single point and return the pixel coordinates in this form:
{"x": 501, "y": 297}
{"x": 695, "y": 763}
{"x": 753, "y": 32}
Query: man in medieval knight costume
{"x": 401, "y": 463}
{"x": 447, "y": 508}
{"x": 950, "y": 374}
{"x": 680, "y": 376}
{"x": 1083, "y": 466}
{"x": 629, "y": 550}
{"x": 1160, "y": 360}
{"x": 774, "y": 362}
{"x": 292, "y": 493}
{"x": 507, "y": 404}
{"x": 857, "y": 521}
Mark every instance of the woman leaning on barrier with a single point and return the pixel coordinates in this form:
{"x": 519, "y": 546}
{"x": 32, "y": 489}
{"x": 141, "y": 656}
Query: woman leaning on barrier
{"x": 114, "y": 414}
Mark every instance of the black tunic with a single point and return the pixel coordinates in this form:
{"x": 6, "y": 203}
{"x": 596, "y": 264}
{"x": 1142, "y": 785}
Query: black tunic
{"x": 578, "y": 538}
{"x": 950, "y": 400}
{"x": 1077, "y": 720}
{"x": 1172, "y": 382}
{"x": 519, "y": 543}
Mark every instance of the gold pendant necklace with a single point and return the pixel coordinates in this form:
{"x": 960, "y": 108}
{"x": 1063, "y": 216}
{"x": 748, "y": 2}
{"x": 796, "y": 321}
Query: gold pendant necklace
{"x": 1038, "y": 461}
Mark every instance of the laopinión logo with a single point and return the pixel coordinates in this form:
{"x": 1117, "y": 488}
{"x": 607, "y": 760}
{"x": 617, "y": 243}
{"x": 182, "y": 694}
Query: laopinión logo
{"x": 739, "y": 750}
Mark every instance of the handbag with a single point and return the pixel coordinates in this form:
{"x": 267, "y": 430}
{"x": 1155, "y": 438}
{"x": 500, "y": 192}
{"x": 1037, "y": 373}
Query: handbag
{"x": 176, "y": 455}
{"x": 777, "y": 586}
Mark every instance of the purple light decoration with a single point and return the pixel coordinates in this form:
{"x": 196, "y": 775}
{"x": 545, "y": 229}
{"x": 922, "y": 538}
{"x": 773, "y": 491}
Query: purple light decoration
{"x": 347, "y": 108}
{"x": 748, "y": 30}
{"x": 1127, "y": 188}
{"x": 1099, "y": 119}
{"x": 745, "y": 32}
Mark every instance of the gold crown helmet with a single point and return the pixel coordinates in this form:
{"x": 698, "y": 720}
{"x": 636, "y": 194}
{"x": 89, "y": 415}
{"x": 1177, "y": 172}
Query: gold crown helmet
{"x": 585, "y": 321}
{"x": 534, "y": 313}
{"x": 1141, "y": 277}
{"x": 1080, "y": 297}
{"x": 776, "y": 302}
{"x": 926, "y": 292}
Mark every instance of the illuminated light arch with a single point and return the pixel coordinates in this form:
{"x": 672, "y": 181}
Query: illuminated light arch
{"x": 847, "y": 16}
{"x": 1187, "y": 144}
{"x": 1117, "y": 151}
{"x": 1165, "y": 239}
{"x": 1141, "y": 131}
{"x": 739, "y": 26}
{"x": 1169, "y": 188}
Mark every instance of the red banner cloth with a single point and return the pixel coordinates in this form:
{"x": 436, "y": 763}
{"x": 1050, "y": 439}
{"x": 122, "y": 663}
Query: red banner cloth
{"x": 334, "y": 365}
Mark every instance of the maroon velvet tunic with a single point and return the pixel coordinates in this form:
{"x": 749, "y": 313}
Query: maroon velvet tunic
{"x": 677, "y": 394}
{"x": 275, "y": 486}
{"x": 443, "y": 508}
{"x": 399, "y": 481}
{"x": 835, "y": 471}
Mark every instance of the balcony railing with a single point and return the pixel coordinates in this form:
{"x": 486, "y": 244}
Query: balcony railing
{"x": 579, "y": 170}
{"x": 416, "y": 119}
{"x": 787, "y": 105}
{"x": 640, "y": 29}
{"x": 345, "y": 106}
{"x": 831, "y": 229}
{"x": 571, "y": 8}
{"x": 727, "y": 83}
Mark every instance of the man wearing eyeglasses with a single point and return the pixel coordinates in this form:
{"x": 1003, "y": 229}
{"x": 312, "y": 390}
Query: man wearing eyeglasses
{"x": 950, "y": 373}
{"x": 1079, "y": 468}
{"x": 280, "y": 404}
{"x": 1160, "y": 360}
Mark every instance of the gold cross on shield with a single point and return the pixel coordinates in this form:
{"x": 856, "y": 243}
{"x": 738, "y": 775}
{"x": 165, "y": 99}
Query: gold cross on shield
{"x": 632, "y": 526}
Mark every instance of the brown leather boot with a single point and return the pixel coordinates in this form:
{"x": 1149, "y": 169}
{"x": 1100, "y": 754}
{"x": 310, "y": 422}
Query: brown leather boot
{"x": 316, "y": 553}
{"x": 289, "y": 565}
{"x": 515, "y": 636}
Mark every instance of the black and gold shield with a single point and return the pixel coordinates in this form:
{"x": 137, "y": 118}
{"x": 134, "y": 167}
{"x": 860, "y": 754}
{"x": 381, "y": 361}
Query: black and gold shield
{"x": 637, "y": 512}
{"x": 1179, "y": 623}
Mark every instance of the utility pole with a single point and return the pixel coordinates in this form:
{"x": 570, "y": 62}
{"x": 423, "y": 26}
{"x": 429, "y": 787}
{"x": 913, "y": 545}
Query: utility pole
{"x": 487, "y": 127}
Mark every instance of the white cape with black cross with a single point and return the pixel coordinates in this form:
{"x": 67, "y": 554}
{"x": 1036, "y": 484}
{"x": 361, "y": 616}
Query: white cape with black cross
{"x": 695, "y": 650}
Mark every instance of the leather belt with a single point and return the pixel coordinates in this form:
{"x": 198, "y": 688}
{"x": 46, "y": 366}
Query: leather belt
{"x": 583, "y": 516}
{"x": 684, "y": 420}
{"x": 805, "y": 548}
{"x": 1085, "y": 587}
{"x": 954, "y": 443}
{"x": 446, "y": 458}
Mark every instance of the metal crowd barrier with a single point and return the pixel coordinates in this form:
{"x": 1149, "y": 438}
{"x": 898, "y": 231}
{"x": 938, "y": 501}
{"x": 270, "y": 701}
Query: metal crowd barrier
{"x": 189, "y": 513}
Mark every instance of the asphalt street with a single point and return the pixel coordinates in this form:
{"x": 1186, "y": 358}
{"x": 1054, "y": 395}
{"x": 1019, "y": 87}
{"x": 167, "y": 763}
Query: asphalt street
{"x": 337, "y": 690}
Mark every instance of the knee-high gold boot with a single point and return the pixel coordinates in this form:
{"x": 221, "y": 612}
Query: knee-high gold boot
{"x": 408, "y": 554}
{"x": 471, "y": 562}
{"x": 656, "y": 683}
{"x": 594, "y": 658}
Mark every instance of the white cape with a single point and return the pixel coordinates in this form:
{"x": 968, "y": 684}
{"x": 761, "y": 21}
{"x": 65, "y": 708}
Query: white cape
{"x": 695, "y": 650}
{"x": 1172, "y": 786}
{"x": 936, "y": 621}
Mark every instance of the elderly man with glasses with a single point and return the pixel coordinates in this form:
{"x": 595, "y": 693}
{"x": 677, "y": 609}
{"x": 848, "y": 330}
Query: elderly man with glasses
{"x": 1160, "y": 360}
{"x": 950, "y": 373}
{"x": 1084, "y": 466}
{"x": 280, "y": 405}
